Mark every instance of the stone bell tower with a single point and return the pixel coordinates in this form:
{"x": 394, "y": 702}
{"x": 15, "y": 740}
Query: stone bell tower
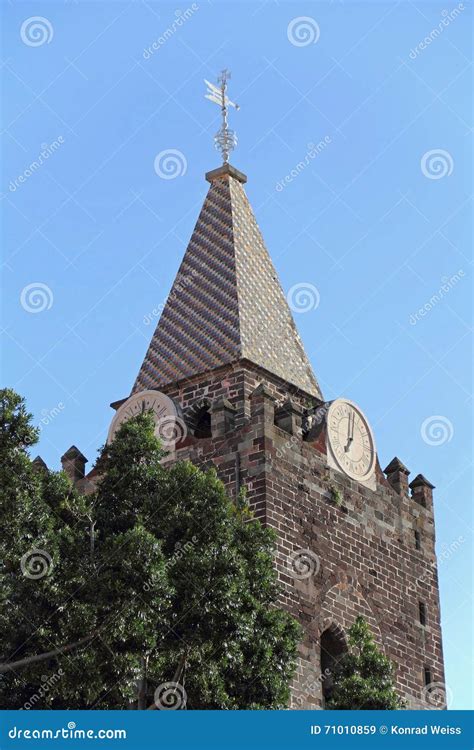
{"x": 227, "y": 353}
{"x": 227, "y": 369}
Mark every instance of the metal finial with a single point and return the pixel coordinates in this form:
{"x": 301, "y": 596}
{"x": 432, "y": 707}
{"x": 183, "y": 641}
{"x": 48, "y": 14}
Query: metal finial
{"x": 225, "y": 138}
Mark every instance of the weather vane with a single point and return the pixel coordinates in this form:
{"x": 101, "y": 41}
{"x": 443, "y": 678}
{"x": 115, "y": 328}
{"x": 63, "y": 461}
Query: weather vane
{"x": 225, "y": 138}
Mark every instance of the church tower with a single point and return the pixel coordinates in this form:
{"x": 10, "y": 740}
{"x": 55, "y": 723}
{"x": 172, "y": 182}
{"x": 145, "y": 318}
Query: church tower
{"x": 228, "y": 379}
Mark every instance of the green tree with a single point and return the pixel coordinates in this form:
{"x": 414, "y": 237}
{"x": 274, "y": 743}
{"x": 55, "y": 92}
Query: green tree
{"x": 157, "y": 578}
{"x": 363, "y": 677}
{"x": 67, "y": 603}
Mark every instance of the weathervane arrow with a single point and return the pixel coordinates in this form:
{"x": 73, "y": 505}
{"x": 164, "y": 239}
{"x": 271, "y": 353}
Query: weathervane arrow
{"x": 225, "y": 139}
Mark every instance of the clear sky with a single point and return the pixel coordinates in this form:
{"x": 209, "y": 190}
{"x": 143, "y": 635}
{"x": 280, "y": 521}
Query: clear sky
{"x": 377, "y": 219}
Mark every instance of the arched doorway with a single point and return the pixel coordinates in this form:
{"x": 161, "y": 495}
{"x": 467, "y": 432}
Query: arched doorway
{"x": 332, "y": 645}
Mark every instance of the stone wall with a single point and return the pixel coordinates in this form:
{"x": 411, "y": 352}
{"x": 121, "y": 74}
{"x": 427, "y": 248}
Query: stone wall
{"x": 343, "y": 549}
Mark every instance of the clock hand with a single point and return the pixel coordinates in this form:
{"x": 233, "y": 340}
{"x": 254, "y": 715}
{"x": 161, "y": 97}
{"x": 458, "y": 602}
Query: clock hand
{"x": 350, "y": 436}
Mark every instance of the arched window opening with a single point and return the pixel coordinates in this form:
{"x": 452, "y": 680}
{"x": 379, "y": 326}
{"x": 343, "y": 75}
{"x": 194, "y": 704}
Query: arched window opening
{"x": 203, "y": 423}
{"x": 333, "y": 646}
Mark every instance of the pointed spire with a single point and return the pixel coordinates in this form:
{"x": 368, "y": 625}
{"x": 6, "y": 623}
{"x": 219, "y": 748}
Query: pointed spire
{"x": 422, "y": 491}
{"x": 397, "y": 476}
{"x": 39, "y": 464}
{"x": 396, "y": 465}
{"x": 226, "y": 303}
{"x": 421, "y": 481}
{"x": 73, "y": 463}
{"x": 73, "y": 453}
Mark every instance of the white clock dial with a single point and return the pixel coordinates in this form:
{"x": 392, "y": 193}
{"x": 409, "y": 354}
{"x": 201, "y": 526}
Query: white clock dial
{"x": 164, "y": 412}
{"x": 350, "y": 440}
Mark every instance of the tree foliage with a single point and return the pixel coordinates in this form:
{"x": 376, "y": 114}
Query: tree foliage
{"x": 157, "y": 577}
{"x": 363, "y": 677}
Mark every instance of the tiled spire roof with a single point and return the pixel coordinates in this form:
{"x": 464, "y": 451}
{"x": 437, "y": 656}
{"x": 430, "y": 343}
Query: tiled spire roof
{"x": 226, "y": 303}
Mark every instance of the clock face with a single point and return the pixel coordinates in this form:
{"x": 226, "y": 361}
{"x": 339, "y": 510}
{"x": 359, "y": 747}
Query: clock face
{"x": 351, "y": 440}
{"x": 168, "y": 425}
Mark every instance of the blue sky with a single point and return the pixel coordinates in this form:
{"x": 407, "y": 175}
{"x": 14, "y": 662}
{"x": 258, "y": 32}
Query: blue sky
{"x": 377, "y": 221}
